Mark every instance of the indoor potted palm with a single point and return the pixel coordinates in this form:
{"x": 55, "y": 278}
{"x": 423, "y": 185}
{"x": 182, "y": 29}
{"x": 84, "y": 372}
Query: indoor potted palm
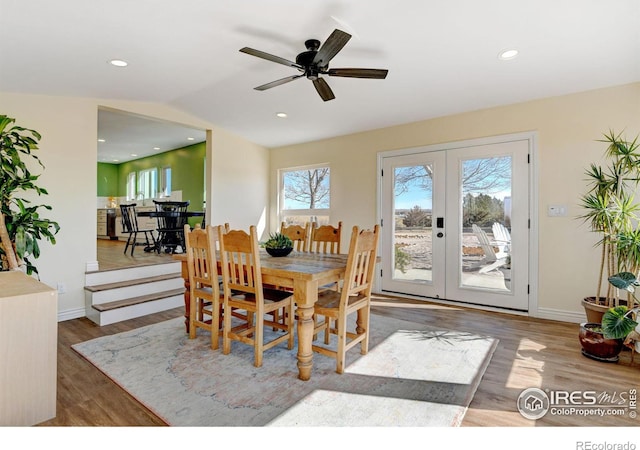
{"x": 612, "y": 212}
{"x": 21, "y": 226}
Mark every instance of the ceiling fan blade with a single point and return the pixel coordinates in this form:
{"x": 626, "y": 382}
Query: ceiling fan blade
{"x": 270, "y": 57}
{"x": 331, "y": 47}
{"x": 323, "y": 89}
{"x": 266, "y": 86}
{"x": 358, "y": 73}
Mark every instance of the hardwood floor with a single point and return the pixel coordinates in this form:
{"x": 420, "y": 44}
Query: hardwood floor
{"x": 111, "y": 255}
{"x": 531, "y": 353}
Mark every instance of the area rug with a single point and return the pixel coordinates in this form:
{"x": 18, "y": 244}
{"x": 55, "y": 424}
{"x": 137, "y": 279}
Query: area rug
{"x": 412, "y": 376}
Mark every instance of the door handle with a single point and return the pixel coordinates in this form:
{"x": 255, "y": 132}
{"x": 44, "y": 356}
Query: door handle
{"x": 440, "y": 234}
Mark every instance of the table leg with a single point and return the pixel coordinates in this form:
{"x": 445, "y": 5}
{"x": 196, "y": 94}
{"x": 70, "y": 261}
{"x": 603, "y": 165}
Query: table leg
{"x": 305, "y": 338}
{"x": 305, "y": 295}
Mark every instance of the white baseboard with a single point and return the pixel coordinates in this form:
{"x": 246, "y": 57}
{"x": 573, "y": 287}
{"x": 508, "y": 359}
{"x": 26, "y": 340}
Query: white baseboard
{"x": 561, "y": 315}
{"x": 71, "y": 314}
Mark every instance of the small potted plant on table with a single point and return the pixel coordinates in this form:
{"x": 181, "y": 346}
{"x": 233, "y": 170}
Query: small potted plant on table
{"x": 278, "y": 245}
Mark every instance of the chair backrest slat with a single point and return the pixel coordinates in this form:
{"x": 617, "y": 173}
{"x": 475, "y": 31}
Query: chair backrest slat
{"x": 325, "y": 238}
{"x": 298, "y": 234}
{"x": 201, "y": 256}
{"x": 239, "y": 253}
{"x": 129, "y": 218}
{"x": 359, "y": 275}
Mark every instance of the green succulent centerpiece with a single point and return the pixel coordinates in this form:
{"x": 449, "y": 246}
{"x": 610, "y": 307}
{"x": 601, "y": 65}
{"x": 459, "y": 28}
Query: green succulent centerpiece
{"x": 278, "y": 245}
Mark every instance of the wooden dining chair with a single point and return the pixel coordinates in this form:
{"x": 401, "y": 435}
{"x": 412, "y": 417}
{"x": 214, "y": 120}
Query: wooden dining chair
{"x": 243, "y": 290}
{"x": 205, "y": 308}
{"x": 355, "y": 297}
{"x": 325, "y": 238}
{"x": 130, "y": 226}
{"x": 298, "y": 234}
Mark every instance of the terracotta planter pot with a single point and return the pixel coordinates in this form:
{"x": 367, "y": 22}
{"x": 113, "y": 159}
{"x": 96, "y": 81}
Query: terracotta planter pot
{"x": 596, "y": 346}
{"x": 593, "y": 310}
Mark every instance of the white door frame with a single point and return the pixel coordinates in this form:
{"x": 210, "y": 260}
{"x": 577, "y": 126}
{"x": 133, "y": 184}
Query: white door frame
{"x": 532, "y": 138}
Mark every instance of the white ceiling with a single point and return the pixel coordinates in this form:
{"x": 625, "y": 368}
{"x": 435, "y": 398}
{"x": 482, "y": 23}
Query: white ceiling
{"x": 441, "y": 56}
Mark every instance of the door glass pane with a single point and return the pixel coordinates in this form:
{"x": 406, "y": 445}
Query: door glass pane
{"x": 486, "y": 223}
{"x": 413, "y": 199}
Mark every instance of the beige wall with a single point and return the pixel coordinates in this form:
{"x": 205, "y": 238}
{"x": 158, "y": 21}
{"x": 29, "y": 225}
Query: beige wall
{"x": 68, "y": 150}
{"x": 567, "y": 128}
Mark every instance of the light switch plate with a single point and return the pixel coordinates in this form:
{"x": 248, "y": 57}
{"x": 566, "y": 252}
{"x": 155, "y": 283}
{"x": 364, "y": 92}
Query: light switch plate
{"x": 557, "y": 210}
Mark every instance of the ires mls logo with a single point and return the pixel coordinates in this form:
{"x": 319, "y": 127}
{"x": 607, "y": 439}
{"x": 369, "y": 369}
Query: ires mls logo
{"x": 534, "y": 403}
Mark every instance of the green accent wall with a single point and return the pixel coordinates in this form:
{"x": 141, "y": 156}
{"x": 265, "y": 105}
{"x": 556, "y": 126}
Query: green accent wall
{"x": 187, "y": 173}
{"x": 107, "y": 180}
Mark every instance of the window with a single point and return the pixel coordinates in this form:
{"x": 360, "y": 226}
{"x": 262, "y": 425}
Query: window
{"x": 147, "y": 183}
{"x": 165, "y": 181}
{"x": 131, "y": 186}
{"x": 305, "y": 195}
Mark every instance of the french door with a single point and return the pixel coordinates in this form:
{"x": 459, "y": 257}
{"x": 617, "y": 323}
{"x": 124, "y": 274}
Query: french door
{"x": 456, "y": 222}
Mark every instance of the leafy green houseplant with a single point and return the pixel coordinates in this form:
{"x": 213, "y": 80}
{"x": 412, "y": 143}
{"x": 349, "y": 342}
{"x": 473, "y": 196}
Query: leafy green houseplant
{"x": 619, "y": 322}
{"x": 278, "y": 245}
{"x": 612, "y": 212}
{"x": 21, "y": 226}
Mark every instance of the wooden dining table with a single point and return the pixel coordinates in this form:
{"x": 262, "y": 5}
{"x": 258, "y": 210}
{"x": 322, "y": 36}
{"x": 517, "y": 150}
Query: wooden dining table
{"x": 302, "y": 272}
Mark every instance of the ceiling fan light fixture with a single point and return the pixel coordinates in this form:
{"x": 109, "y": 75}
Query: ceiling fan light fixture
{"x": 506, "y": 55}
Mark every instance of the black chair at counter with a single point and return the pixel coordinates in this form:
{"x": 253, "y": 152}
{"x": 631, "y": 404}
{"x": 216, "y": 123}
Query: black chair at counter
{"x": 130, "y": 226}
{"x": 171, "y": 225}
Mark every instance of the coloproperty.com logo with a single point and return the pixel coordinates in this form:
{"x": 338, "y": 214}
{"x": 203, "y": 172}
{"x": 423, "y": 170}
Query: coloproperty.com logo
{"x": 535, "y": 403}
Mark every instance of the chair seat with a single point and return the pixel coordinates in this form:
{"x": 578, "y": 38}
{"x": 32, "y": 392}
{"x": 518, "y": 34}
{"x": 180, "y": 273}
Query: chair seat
{"x": 328, "y": 303}
{"x": 271, "y": 297}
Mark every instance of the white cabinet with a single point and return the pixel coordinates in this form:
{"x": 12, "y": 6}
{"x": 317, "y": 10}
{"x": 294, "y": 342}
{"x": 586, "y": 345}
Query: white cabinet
{"x": 28, "y": 350}
{"x": 147, "y": 223}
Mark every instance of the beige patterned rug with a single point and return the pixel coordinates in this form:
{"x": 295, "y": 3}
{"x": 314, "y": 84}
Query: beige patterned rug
{"x": 413, "y": 376}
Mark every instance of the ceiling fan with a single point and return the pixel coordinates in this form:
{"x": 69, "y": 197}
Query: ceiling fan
{"x": 315, "y": 62}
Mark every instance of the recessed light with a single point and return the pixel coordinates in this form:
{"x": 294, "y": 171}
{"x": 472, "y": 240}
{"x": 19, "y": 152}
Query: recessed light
{"x": 282, "y": 115}
{"x": 508, "y": 54}
{"x": 156, "y": 148}
{"x": 118, "y": 63}
{"x": 101, "y": 140}
{"x": 134, "y": 154}
{"x": 116, "y": 160}
{"x": 190, "y": 139}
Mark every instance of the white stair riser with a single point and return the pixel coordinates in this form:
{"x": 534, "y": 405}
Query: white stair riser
{"x": 135, "y": 290}
{"x": 133, "y": 311}
{"x": 114, "y": 276}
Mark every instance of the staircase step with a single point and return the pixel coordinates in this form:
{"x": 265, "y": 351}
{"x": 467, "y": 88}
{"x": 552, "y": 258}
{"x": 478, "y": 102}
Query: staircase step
{"x": 130, "y": 273}
{"x": 136, "y": 300}
{"x": 134, "y": 282}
